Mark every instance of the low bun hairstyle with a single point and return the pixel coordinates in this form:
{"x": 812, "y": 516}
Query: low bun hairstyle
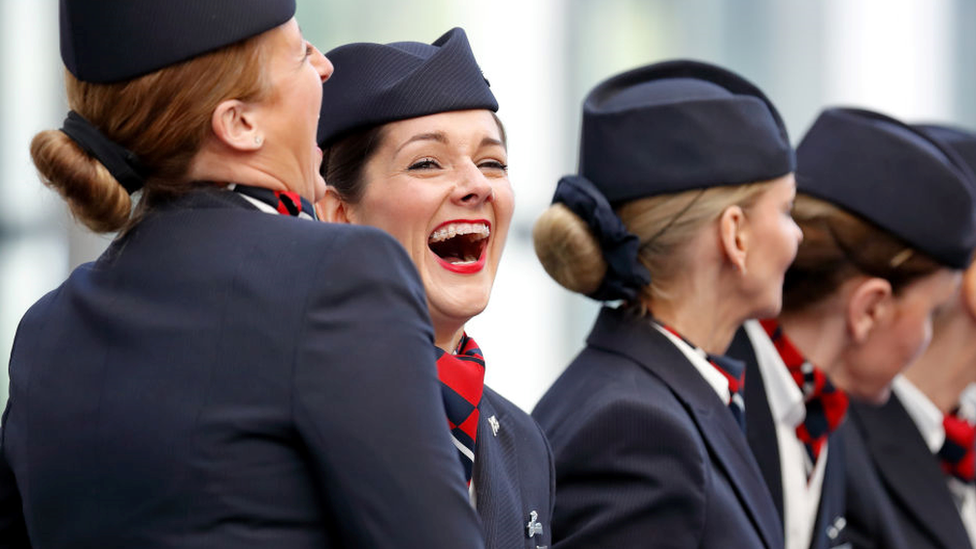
{"x": 163, "y": 117}
{"x": 664, "y": 224}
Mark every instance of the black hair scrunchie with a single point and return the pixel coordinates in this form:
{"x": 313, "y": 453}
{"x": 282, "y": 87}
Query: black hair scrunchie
{"x": 625, "y": 274}
{"x": 122, "y": 163}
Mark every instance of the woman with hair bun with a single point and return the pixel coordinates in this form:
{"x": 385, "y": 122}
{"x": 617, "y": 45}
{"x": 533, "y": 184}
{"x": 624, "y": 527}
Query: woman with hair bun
{"x": 681, "y": 210}
{"x": 888, "y": 218}
{"x": 415, "y": 149}
{"x": 225, "y": 374}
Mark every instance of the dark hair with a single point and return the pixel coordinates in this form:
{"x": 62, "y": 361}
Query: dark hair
{"x": 343, "y": 161}
{"x": 839, "y": 245}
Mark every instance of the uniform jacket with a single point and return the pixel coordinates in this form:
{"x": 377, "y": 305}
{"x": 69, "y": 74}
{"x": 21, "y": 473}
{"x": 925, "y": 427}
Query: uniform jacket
{"x": 907, "y": 503}
{"x": 513, "y": 476}
{"x": 646, "y": 454}
{"x": 222, "y": 377}
{"x": 828, "y": 531}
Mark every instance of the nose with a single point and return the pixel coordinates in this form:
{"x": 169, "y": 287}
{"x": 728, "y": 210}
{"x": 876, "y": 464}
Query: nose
{"x": 322, "y": 64}
{"x": 473, "y": 189}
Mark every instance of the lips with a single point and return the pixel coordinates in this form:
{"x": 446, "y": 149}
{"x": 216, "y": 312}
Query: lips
{"x": 460, "y": 245}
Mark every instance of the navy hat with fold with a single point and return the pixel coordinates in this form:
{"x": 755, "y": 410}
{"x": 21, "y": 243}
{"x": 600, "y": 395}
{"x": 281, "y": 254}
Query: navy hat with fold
{"x": 105, "y": 41}
{"x": 677, "y": 126}
{"x": 961, "y": 141}
{"x": 894, "y": 176}
{"x": 378, "y": 83}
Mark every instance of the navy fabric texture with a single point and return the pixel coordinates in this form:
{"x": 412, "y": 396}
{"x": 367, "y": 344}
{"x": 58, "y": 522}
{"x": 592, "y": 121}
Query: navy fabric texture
{"x": 894, "y": 176}
{"x": 676, "y": 126}
{"x": 625, "y": 273}
{"x": 646, "y": 453}
{"x": 378, "y": 83}
{"x": 106, "y": 41}
{"x": 223, "y": 377}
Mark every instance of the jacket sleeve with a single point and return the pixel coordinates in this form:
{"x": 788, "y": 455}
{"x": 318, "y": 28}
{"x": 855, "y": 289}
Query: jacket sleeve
{"x": 630, "y": 476}
{"x": 13, "y": 530}
{"x": 368, "y": 406}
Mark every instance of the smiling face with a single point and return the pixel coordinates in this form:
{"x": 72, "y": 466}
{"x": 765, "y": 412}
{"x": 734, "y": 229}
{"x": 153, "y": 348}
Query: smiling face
{"x": 290, "y": 115}
{"x": 439, "y": 185}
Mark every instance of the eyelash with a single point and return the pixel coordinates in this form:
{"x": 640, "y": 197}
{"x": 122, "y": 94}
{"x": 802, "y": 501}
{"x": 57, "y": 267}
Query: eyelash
{"x": 308, "y": 50}
{"x": 429, "y": 163}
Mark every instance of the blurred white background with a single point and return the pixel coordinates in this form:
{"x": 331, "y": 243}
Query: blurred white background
{"x": 912, "y": 59}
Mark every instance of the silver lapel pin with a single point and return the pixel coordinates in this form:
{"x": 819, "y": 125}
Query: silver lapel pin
{"x": 534, "y": 527}
{"x": 493, "y": 421}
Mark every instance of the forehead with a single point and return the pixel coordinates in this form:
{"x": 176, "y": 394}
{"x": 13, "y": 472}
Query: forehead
{"x": 457, "y": 127}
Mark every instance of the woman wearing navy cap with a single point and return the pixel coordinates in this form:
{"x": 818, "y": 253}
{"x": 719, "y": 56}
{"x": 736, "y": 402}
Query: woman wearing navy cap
{"x": 416, "y": 149}
{"x": 681, "y": 209}
{"x": 920, "y": 443}
{"x": 887, "y": 215}
{"x": 224, "y": 375}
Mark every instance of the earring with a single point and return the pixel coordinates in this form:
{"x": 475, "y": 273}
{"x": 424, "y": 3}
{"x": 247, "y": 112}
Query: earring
{"x": 258, "y": 140}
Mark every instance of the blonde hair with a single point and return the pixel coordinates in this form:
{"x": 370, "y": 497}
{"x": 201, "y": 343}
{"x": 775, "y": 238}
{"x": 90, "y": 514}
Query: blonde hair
{"x": 664, "y": 224}
{"x": 163, "y": 117}
{"x": 839, "y": 245}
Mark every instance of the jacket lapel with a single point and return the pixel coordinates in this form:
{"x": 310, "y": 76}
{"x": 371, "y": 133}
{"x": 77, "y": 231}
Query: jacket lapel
{"x": 828, "y": 529}
{"x": 495, "y": 472}
{"x": 760, "y": 427}
{"x": 641, "y": 342}
{"x": 909, "y": 470}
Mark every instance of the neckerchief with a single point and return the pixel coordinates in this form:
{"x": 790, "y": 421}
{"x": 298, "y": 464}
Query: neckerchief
{"x": 958, "y": 452}
{"x": 733, "y": 370}
{"x": 462, "y": 377}
{"x": 284, "y": 202}
{"x": 826, "y": 406}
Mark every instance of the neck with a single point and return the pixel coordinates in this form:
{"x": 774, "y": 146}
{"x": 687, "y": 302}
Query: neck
{"x": 949, "y": 363}
{"x": 229, "y": 166}
{"x": 820, "y": 337}
{"x": 447, "y": 335}
{"x": 701, "y": 317}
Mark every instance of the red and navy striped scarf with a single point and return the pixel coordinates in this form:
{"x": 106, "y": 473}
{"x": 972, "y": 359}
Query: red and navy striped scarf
{"x": 958, "y": 452}
{"x": 826, "y": 406}
{"x": 462, "y": 376}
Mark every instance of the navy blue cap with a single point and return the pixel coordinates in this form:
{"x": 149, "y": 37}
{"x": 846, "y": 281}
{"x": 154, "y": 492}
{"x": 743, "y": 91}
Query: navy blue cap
{"x": 676, "y": 126}
{"x": 375, "y": 83}
{"x": 105, "y": 41}
{"x": 963, "y": 142}
{"x": 894, "y": 176}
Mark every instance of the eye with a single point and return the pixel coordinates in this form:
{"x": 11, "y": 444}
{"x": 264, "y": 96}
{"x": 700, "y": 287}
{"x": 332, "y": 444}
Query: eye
{"x": 309, "y": 49}
{"x": 494, "y": 165}
{"x": 424, "y": 164}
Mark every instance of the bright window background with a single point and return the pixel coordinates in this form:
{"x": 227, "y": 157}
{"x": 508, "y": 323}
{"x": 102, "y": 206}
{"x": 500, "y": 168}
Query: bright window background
{"x": 907, "y": 58}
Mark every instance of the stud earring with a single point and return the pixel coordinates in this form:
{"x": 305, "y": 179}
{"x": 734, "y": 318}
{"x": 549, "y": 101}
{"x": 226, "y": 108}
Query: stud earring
{"x": 258, "y": 140}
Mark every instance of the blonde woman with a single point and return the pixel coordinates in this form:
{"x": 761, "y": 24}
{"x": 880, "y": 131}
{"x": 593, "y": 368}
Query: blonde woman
{"x": 681, "y": 209}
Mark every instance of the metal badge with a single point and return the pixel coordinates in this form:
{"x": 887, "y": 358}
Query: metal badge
{"x": 493, "y": 421}
{"x": 534, "y": 527}
{"x": 835, "y": 529}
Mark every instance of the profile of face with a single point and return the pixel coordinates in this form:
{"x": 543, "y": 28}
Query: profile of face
{"x": 439, "y": 184}
{"x": 896, "y": 330}
{"x": 288, "y": 118}
{"x": 772, "y": 239}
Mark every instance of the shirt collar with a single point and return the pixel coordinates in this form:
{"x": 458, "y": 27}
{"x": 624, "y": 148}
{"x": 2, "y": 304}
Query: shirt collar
{"x": 712, "y": 376}
{"x": 925, "y": 414}
{"x": 785, "y": 399}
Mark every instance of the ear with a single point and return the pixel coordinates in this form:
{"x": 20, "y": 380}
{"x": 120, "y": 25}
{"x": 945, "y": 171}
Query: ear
{"x": 869, "y": 304}
{"x": 734, "y": 237}
{"x": 233, "y": 122}
{"x": 332, "y": 209}
{"x": 967, "y": 289}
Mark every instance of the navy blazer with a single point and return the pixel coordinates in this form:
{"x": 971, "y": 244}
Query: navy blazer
{"x": 908, "y": 504}
{"x": 828, "y": 530}
{"x": 223, "y": 377}
{"x": 646, "y": 454}
{"x": 513, "y": 476}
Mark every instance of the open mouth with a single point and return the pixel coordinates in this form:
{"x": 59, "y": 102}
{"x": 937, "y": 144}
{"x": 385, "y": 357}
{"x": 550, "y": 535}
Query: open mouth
{"x": 460, "y": 245}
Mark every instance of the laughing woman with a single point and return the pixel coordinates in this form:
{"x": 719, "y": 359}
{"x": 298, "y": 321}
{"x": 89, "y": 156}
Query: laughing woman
{"x": 682, "y": 210}
{"x": 413, "y": 147}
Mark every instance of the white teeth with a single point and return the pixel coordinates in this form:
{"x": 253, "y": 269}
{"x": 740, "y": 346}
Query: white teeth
{"x": 455, "y": 229}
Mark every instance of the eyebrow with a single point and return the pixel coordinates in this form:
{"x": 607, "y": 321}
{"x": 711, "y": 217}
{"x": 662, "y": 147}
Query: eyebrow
{"x": 435, "y": 136}
{"x": 489, "y": 141}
